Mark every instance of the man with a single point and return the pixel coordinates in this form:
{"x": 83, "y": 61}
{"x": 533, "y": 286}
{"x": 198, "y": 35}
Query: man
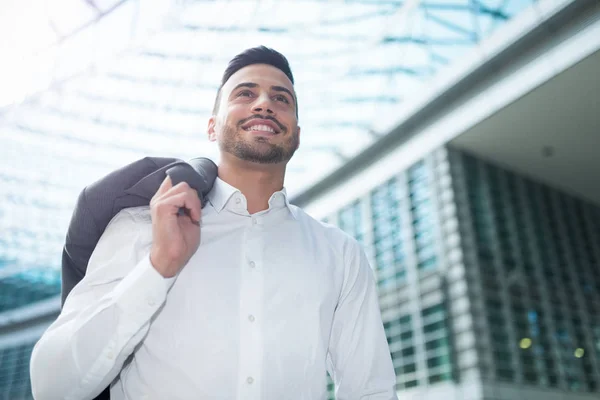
{"x": 253, "y": 299}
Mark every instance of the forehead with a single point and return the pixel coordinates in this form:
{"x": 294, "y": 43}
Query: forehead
{"x": 262, "y": 74}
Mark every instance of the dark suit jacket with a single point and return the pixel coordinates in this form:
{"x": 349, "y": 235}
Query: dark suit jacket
{"x": 131, "y": 186}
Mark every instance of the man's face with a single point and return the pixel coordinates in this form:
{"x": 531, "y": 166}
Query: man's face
{"x": 257, "y": 120}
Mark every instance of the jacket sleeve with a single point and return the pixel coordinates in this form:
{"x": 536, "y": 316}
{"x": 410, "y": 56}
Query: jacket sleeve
{"x": 104, "y": 317}
{"x": 359, "y": 359}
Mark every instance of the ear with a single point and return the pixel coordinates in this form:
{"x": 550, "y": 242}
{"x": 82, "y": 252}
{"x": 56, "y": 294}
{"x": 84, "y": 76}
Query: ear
{"x": 212, "y": 135}
{"x": 298, "y": 138}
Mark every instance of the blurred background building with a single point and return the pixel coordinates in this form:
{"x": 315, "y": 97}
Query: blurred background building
{"x": 457, "y": 140}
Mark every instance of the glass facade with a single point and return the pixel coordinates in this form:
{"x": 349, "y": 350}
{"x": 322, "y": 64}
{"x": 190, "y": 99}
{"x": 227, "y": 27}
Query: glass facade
{"x": 537, "y": 255}
{"x": 400, "y": 335}
{"x": 350, "y": 220}
{"x": 14, "y": 372}
{"x": 397, "y": 223}
{"x": 25, "y": 288}
{"x": 531, "y": 276}
{"x": 437, "y": 343}
{"x": 420, "y": 190}
{"x": 387, "y": 243}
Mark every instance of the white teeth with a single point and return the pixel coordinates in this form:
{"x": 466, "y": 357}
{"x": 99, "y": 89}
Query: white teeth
{"x": 264, "y": 128}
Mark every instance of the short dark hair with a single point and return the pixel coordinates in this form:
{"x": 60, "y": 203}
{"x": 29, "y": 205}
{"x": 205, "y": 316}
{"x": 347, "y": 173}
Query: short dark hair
{"x": 255, "y": 55}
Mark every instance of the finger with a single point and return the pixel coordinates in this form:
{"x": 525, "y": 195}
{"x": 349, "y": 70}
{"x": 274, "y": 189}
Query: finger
{"x": 165, "y": 185}
{"x": 167, "y": 190}
{"x": 193, "y": 204}
{"x": 192, "y": 220}
{"x": 179, "y": 188}
{"x": 196, "y": 209}
{"x": 162, "y": 189}
{"x": 183, "y": 187}
{"x": 188, "y": 200}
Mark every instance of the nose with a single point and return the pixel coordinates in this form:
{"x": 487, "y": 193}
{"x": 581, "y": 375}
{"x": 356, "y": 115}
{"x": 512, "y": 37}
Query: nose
{"x": 263, "y": 104}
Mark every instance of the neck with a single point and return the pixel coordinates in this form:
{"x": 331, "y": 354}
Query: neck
{"x": 257, "y": 182}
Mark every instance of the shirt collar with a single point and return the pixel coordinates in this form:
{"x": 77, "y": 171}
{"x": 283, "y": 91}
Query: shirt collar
{"x": 222, "y": 192}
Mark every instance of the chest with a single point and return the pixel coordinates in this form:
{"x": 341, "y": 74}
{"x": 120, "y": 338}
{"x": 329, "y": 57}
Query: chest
{"x": 280, "y": 260}
{"x": 263, "y": 268}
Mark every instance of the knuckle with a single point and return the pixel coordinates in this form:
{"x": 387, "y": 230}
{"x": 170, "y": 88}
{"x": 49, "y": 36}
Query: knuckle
{"x": 192, "y": 195}
{"x": 183, "y": 186}
{"x": 161, "y": 206}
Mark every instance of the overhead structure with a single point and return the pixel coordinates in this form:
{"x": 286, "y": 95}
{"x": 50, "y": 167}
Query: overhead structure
{"x": 110, "y": 81}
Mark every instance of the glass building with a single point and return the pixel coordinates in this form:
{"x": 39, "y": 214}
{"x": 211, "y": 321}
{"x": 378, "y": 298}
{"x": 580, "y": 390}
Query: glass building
{"x": 484, "y": 275}
{"x": 487, "y": 279}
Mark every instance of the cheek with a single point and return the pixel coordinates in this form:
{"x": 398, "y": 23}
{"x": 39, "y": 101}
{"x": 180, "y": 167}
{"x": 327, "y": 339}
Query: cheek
{"x": 227, "y": 120}
{"x": 292, "y": 122}
{"x": 237, "y": 111}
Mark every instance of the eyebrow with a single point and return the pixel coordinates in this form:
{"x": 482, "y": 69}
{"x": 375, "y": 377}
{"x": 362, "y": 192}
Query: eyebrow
{"x": 275, "y": 88}
{"x": 282, "y": 89}
{"x": 245, "y": 84}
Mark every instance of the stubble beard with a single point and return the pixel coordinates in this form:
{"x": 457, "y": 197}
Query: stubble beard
{"x": 257, "y": 149}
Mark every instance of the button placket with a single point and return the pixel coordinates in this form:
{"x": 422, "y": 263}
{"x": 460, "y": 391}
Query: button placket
{"x": 250, "y": 308}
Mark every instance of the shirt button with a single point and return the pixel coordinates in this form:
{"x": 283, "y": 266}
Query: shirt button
{"x": 238, "y": 200}
{"x": 110, "y": 355}
{"x": 251, "y": 318}
{"x": 252, "y": 264}
{"x": 254, "y": 222}
{"x": 250, "y": 380}
{"x": 151, "y": 302}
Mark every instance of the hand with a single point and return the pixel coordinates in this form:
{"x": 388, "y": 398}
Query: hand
{"x": 175, "y": 238}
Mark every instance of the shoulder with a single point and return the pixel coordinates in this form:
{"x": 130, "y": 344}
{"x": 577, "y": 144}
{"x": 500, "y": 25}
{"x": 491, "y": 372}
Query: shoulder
{"x": 137, "y": 215}
{"x": 128, "y": 221}
{"x": 327, "y": 232}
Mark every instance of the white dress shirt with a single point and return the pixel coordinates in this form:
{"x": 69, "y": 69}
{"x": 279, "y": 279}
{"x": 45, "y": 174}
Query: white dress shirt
{"x": 267, "y": 304}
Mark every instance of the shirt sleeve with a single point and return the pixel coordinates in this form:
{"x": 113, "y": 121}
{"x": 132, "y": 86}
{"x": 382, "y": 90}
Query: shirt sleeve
{"x": 105, "y": 316}
{"x": 359, "y": 359}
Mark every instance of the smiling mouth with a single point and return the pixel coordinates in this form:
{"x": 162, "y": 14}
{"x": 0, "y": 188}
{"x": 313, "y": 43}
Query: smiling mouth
{"x": 268, "y": 125}
{"x": 261, "y": 128}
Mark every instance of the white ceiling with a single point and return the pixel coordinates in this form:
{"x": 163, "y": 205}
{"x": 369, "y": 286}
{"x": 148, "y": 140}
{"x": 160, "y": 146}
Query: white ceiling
{"x": 92, "y": 86}
{"x": 563, "y": 114}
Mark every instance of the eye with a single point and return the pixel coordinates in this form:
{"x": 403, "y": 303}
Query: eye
{"x": 245, "y": 93}
{"x": 282, "y": 98}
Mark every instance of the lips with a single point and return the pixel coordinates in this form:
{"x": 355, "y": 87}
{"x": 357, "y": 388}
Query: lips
{"x": 261, "y": 125}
